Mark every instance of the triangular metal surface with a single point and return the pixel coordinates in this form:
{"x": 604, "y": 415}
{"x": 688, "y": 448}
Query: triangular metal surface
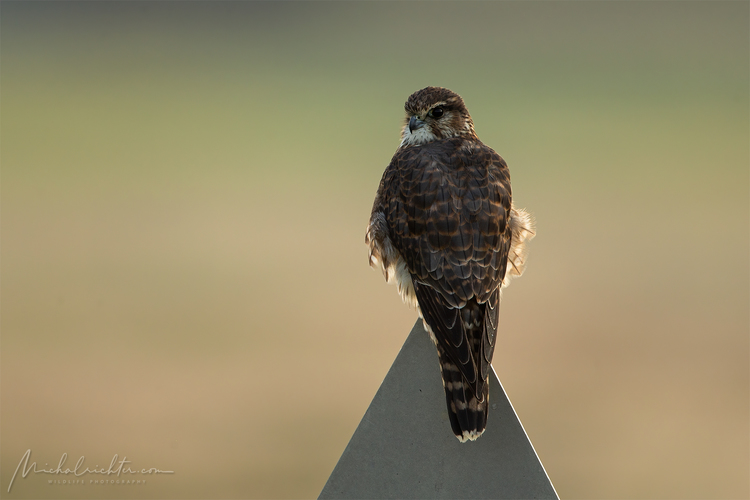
{"x": 404, "y": 447}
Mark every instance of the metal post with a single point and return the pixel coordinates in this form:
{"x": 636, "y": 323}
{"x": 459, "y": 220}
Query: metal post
{"x": 404, "y": 447}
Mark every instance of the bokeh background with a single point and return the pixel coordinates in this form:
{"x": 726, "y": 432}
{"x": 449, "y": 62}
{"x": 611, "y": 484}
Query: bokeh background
{"x": 185, "y": 189}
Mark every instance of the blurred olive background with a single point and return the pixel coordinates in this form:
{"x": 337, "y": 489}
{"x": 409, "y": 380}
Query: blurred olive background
{"x": 185, "y": 189}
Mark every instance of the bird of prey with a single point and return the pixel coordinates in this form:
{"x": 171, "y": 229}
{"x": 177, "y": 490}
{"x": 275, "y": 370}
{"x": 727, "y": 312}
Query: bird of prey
{"x": 444, "y": 229}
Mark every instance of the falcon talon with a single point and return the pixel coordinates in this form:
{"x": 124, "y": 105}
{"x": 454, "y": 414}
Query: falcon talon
{"x": 444, "y": 228}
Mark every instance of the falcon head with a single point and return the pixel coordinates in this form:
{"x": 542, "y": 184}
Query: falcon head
{"x": 435, "y": 113}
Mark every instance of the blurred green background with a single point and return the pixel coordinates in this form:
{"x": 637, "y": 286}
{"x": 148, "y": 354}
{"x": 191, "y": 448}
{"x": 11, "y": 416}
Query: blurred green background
{"x": 185, "y": 189}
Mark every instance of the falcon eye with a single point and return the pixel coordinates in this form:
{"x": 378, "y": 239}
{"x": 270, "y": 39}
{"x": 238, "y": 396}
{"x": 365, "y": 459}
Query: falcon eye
{"x": 437, "y": 112}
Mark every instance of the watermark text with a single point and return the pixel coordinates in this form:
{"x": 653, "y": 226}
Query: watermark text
{"x": 117, "y": 468}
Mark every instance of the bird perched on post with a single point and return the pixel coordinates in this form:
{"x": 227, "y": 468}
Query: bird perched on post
{"x": 444, "y": 228}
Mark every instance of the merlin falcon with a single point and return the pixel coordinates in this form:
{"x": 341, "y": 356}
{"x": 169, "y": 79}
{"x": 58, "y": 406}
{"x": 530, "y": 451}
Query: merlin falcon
{"x": 444, "y": 229}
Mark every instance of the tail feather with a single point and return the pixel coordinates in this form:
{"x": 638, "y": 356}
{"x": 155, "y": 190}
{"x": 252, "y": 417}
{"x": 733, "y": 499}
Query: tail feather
{"x": 467, "y": 414}
{"x": 465, "y": 341}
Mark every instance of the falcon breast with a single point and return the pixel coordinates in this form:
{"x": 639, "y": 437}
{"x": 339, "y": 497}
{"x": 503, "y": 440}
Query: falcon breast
{"x": 444, "y": 229}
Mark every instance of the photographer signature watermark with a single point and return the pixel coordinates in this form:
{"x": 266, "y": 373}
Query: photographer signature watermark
{"x": 117, "y": 468}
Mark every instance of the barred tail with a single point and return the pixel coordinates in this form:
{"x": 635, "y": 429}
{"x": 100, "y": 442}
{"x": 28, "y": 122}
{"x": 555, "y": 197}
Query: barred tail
{"x": 467, "y": 414}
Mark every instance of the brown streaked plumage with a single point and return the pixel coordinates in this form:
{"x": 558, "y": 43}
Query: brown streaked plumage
{"x": 444, "y": 228}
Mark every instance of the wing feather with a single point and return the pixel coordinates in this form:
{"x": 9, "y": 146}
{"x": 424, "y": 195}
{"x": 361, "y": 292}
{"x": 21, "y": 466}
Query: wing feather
{"x": 447, "y": 206}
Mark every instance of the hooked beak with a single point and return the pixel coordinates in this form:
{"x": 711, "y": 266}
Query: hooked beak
{"x": 415, "y": 123}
